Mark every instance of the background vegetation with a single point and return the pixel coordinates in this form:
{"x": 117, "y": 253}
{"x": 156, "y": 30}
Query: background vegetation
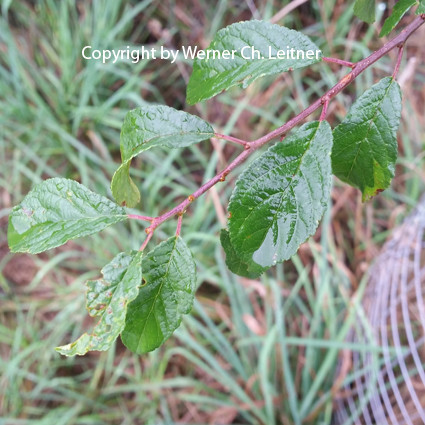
{"x": 252, "y": 352}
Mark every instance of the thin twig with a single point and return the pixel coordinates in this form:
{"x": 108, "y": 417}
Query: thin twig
{"x": 398, "y": 63}
{"x": 339, "y": 61}
{"x": 230, "y": 139}
{"x": 324, "y": 109}
{"x": 250, "y": 147}
{"x": 140, "y": 217}
{"x": 179, "y": 225}
{"x": 148, "y": 238}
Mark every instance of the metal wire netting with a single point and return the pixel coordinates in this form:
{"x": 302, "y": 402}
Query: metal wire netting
{"x": 389, "y": 386}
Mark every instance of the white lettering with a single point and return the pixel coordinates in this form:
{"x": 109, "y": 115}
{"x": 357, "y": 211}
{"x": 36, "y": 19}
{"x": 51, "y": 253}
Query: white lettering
{"x": 189, "y": 52}
{"x": 174, "y": 53}
{"x": 243, "y": 52}
{"x": 135, "y": 55}
{"x": 82, "y": 53}
{"x": 106, "y": 54}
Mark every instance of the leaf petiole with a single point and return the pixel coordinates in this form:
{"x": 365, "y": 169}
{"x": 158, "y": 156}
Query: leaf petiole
{"x": 231, "y": 139}
{"x": 339, "y": 62}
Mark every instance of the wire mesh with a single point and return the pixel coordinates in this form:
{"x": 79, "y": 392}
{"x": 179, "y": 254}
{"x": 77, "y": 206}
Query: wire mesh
{"x": 389, "y": 387}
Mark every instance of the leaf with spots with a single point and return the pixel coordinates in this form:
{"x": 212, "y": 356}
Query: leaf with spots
{"x": 108, "y": 298}
{"x": 365, "y": 143}
{"x": 212, "y": 75}
{"x": 145, "y": 128}
{"x": 169, "y": 274}
{"x": 280, "y": 198}
{"x": 56, "y": 211}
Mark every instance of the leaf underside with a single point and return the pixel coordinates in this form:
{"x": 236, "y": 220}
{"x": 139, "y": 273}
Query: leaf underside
{"x": 365, "y": 143}
{"x": 123, "y": 187}
{"x": 145, "y": 128}
{"x": 169, "y": 274}
{"x": 108, "y": 298}
{"x": 212, "y": 76}
{"x": 399, "y": 10}
{"x": 365, "y": 10}
{"x": 421, "y": 8}
{"x": 234, "y": 262}
{"x": 280, "y": 198}
{"x": 58, "y": 210}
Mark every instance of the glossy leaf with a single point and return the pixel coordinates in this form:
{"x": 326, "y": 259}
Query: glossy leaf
{"x": 213, "y": 75}
{"x": 365, "y": 10}
{"x": 421, "y": 8}
{"x": 234, "y": 263}
{"x": 56, "y": 211}
{"x": 280, "y": 198}
{"x": 151, "y": 126}
{"x": 108, "y": 299}
{"x": 169, "y": 276}
{"x": 365, "y": 143}
{"x": 399, "y": 10}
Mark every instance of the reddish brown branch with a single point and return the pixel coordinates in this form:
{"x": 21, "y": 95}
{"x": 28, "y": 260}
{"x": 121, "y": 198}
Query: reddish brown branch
{"x": 339, "y": 62}
{"x": 325, "y": 108}
{"x": 231, "y": 139}
{"x": 140, "y": 217}
{"x": 148, "y": 238}
{"x": 179, "y": 225}
{"x": 398, "y": 63}
{"x": 250, "y": 147}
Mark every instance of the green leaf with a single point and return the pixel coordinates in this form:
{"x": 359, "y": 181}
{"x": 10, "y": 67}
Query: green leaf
{"x": 400, "y": 9}
{"x": 213, "y": 75}
{"x": 280, "y": 198}
{"x": 56, "y": 211}
{"x": 123, "y": 188}
{"x": 365, "y": 143}
{"x": 234, "y": 263}
{"x": 159, "y": 125}
{"x": 151, "y": 126}
{"x": 169, "y": 274}
{"x": 109, "y": 298}
{"x": 421, "y": 8}
{"x": 365, "y": 10}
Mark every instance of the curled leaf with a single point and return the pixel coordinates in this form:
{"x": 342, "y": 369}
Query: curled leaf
{"x": 108, "y": 298}
{"x": 145, "y": 128}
